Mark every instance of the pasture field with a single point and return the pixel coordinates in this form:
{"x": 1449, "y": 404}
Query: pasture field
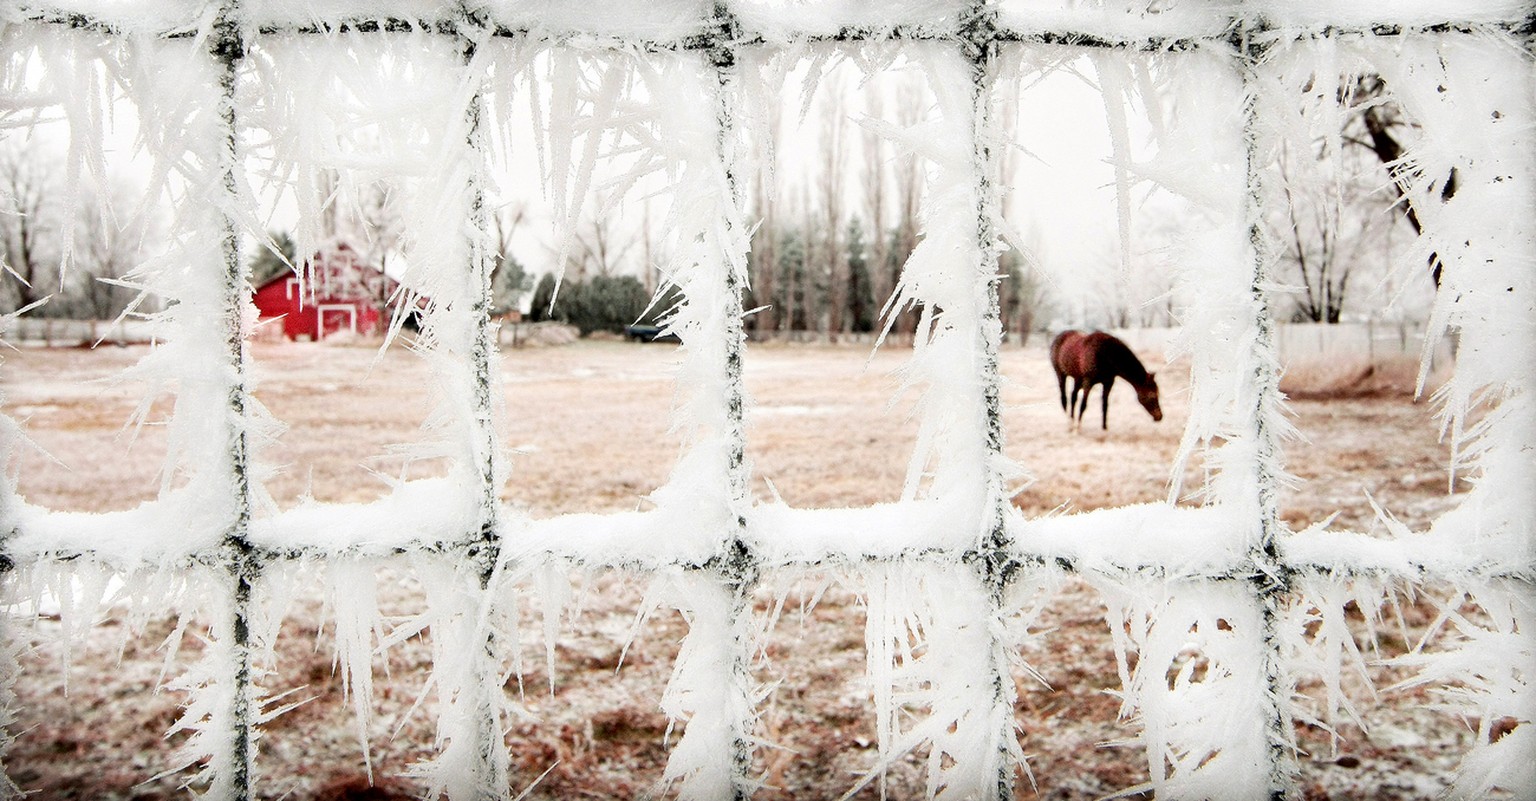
{"x": 588, "y": 427}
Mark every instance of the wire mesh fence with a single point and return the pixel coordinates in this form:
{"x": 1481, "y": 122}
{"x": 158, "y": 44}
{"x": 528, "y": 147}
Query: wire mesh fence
{"x": 952, "y": 563}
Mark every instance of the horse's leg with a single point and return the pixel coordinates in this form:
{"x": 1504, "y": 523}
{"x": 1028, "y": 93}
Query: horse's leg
{"x": 1082, "y": 408}
{"x": 1061, "y": 386}
{"x": 1072, "y": 415}
{"x": 1104, "y": 412}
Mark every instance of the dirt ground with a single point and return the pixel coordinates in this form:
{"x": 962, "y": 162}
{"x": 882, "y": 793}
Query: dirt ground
{"x": 588, "y": 425}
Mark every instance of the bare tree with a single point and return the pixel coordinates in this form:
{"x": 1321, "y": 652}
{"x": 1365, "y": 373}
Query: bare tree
{"x": 28, "y": 228}
{"x": 601, "y": 246}
{"x": 876, "y": 153}
{"x": 1333, "y": 214}
{"x": 907, "y": 187}
{"x": 1384, "y": 124}
{"x": 1311, "y": 244}
{"x": 509, "y": 281}
{"x": 107, "y": 248}
{"x": 834, "y": 149}
{"x": 1111, "y": 296}
{"x": 765, "y": 253}
{"x": 376, "y": 220}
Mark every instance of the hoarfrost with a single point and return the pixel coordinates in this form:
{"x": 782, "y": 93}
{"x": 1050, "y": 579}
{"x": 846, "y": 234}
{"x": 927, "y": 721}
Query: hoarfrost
{"x": 352, "y": 591}
{"x": 1330, "y": 651}
{"x": 223, "y": 680}
{"x": 1198, "y": 684}
{"x": 936, "y": 638}
{"x": 471, "y": 631}
{"x": 1206, "y": 146}
{"x": 787, "y": 22}
{"x": 339, "y": 113}
{"x": 10, "y": 649}
{"x": 709, "y": 688}
{"x": 947, "y": 277}
{"x": 1484, "y": 672}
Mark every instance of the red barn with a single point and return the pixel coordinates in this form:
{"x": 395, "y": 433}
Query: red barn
{"x": 344, "y": 293}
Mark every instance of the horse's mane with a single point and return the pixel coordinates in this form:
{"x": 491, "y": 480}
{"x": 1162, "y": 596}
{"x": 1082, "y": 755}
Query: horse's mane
{"x": 1134, "y": 371}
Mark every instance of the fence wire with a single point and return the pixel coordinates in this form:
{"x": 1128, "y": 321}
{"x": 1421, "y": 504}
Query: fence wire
{"x": 961, "y": 536}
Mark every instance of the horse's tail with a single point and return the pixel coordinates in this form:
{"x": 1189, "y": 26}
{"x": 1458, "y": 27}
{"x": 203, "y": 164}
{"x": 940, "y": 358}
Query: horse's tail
{"x": 1061, "y": 371}
{"x": 1056, "y": 344}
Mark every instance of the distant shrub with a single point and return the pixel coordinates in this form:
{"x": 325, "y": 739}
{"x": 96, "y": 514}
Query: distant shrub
{"x": 600, "y": 303}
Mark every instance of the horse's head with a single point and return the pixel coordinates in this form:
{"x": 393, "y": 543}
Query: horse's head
{"x": 1146, "y": 394}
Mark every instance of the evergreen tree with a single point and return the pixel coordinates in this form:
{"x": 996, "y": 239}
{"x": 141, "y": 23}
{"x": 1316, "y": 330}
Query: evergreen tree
{"x": 900, "y": 247}
{"x": 600, "y": 303}
{"x": 861, "y": 292}
{"x": 607, "y": 303}
{"x": 543, "y": 297}
{"x": 509, "y": 283}
{"x": 793, "y": 269}
{"x": 1021, "y": 296}
{"x": 267, "y": 265}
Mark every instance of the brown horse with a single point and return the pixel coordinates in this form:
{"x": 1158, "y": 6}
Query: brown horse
{"x": 1097, "y": 358}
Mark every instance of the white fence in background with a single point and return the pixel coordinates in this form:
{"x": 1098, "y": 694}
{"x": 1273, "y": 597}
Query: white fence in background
{"x": 52, "y": 332}
{"x": 952, "y": 563}
{"x": 1367, "y": 341}
{"x": 1364, "y": 342}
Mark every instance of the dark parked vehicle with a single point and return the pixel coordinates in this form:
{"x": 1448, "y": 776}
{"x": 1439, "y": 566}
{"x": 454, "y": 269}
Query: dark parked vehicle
{"x": 645, "y": 332}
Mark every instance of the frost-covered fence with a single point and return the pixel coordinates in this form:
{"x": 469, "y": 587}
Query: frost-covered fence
{"x": 951, "y": 565}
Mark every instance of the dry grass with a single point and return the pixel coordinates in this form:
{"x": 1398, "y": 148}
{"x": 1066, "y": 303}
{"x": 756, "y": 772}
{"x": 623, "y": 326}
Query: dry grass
{"x": 589, "y": 425}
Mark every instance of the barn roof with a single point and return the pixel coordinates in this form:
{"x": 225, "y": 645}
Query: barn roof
{"x": 325, "y": 251}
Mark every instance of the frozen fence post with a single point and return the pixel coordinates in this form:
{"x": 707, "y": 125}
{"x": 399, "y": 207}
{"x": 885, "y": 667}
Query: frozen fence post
{"x": 483, "y": 550}
{"x": 1268, "y": 577}
{"x": 734, "y": 567}
{"x": 238, "y": 557}
{"x": 482, "y": 448}
{"x": 991, "y": 557}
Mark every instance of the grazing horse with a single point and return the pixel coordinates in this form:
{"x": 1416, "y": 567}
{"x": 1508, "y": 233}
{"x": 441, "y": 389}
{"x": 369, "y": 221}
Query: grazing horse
{"x": 1097, "y": 358}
